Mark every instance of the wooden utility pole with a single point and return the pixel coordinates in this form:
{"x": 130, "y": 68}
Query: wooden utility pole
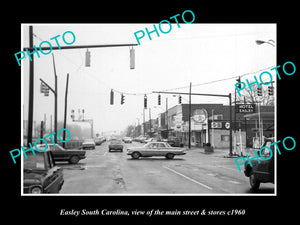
{"x": 31, "y": 85}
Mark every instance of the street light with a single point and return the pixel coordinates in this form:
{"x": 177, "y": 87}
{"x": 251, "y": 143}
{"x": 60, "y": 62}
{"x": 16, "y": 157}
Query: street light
{"x": 270, "y": 42}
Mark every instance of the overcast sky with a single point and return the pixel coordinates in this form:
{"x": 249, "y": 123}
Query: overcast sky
{"x": 196, "y": 53}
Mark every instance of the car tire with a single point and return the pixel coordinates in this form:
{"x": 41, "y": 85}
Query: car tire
{"x": 74, "y": 159}
{"x": 254, "y": 183}
{"x": 170, "y": 156}
{"x": 135, "y": 155}
{"x": 109, "y": 150}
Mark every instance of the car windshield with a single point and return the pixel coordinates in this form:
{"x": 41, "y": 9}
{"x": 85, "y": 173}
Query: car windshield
{"x": 34, "y": 161}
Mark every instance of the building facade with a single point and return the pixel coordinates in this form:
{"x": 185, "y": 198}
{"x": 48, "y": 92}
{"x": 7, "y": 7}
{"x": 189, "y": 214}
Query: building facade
{"x": 210, "y": 124}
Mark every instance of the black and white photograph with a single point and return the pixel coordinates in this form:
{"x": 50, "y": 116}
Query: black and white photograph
{"x": 150, "y": 115}
{"x": 184, "y": 111}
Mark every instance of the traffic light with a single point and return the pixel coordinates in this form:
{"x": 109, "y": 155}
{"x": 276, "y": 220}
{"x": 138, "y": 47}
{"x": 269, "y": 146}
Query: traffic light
{"x": 87, "y": 58}
{"x": 145, "y": 101}
{"x": 270, "y": 90}
{"x": 111, "y": 97}
{"x": 122, "y": 99}
{"x": 259, "y": 92}
{"x": 179, "y": 99}
{"x": 239, "y": 81}
{"x": 132, "y": 58}
{"x": 159, "y": 99}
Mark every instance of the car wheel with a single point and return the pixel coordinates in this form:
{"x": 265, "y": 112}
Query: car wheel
{"x": 74, "y": 159}
{"x": 170, "y": 156}
{"x": 254, "y": 183}
{"x": 135, "y": 155}
{"x": 109, "y": 150}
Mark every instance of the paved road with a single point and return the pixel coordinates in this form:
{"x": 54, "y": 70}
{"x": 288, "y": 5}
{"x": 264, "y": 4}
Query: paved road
{"x": 104, "y": 172}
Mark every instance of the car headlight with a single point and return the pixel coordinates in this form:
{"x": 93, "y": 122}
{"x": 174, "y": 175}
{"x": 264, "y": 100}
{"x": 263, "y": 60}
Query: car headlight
{"x": 36, "y": 190}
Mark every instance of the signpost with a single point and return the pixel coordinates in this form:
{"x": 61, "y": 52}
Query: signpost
{"x": 245, "y": 108}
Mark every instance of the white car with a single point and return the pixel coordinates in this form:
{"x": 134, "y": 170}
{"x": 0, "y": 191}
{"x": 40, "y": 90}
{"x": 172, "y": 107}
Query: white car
{"x": 155, "y": 149}
{"x": 88, "y": 144}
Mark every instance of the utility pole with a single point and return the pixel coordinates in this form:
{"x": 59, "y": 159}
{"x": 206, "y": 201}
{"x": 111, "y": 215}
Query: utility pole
{"x": 190, "y": 113}
{"x": 167, "y": 119}
{"x": 216, "y": 95}
{"x": 31, "y": 87}
{"x": 31, "y": 76}
{"x": 66, "y": 104}
{"x": 55, "y": 102}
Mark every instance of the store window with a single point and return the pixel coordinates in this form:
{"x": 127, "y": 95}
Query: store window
{"x": 225, "y": 138}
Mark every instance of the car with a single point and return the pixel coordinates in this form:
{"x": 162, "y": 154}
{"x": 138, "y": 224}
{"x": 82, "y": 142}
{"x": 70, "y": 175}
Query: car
{"x": 88, "y": 144}
{"x": 155, "y": 149}
{"x": 262, "y": 172}
{"x": 41, "y": 175}
{"x": 115, "y": 145}
{"x": 140, "y": 139}
{"x": 60, "y": 154}
{"x": 99, "y": 140}
{"x": 127, "y": 139}
{"x": 175, "y": 142}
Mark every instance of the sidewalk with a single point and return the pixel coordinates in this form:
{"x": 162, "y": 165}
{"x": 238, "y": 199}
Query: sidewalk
{"x": 223, "y": 152}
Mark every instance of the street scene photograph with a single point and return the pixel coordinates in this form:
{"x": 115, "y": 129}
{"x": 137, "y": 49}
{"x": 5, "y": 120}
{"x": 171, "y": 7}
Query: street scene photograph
{"x": 169, "y": 108}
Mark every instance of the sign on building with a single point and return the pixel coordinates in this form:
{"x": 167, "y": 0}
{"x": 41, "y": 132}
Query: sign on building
{"x": 245, "y": 108}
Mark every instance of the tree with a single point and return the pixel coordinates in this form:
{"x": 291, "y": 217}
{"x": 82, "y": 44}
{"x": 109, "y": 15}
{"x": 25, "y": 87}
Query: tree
{"x": 251, "y": 96}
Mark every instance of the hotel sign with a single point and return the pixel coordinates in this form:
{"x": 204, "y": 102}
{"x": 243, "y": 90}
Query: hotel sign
{"x": 245, "y": 108}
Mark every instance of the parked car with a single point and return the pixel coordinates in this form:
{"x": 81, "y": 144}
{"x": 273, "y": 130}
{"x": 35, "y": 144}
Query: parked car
{"x": 175, "y": 142}
{"x": 41, "y": 175}
{"x": 88, "y": 144}
{"x": 60, "y": 154}
{"x": 140, "y": 139}
{"x": 115, "y": 145}
{"x": 127, "y": 139}
{"x": 262, "y": 172}
{"x": 155, "y": 149}
{"x": 99, "y": 140}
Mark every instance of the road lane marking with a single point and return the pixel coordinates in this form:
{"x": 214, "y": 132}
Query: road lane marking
{"x": 191, "y": 179}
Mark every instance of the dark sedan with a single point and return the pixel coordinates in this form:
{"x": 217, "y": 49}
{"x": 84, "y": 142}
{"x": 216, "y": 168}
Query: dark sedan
{"x": 60, "y": 154}
{"x": 115, "y": 145}
{"x": 40, "y": 173}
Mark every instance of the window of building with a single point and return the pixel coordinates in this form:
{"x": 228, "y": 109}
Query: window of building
{"x": 225, "y": 138}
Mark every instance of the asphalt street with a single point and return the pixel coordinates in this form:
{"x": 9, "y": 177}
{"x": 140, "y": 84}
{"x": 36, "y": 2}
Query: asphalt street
{"x": 104, "y": 172}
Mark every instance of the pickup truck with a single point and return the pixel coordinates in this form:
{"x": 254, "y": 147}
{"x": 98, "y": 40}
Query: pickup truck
{"x": 262, "y": 172}
{"x": 40, "y": 174}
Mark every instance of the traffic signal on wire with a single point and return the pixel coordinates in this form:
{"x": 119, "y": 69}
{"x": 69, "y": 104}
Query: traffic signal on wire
{"x": 111, "y": 97}
{"x": 145, "y": 101}
{"x": 159, "y": 99}
{"x": 122, "y": 99}
{"x": 259, "y": 92}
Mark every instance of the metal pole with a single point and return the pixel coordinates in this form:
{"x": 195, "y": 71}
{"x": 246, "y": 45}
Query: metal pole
{"x": 190, "y": 113}
{"x": 55, "y": 102}
{"x": 167, "y": 119}
{"x": 230, "y": 128}
{"x": 65, "y": 115}
{"x": 31, "y": 86}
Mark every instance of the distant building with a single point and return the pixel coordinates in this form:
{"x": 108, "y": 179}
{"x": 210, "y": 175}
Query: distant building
{"x": 210, "y": 124}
